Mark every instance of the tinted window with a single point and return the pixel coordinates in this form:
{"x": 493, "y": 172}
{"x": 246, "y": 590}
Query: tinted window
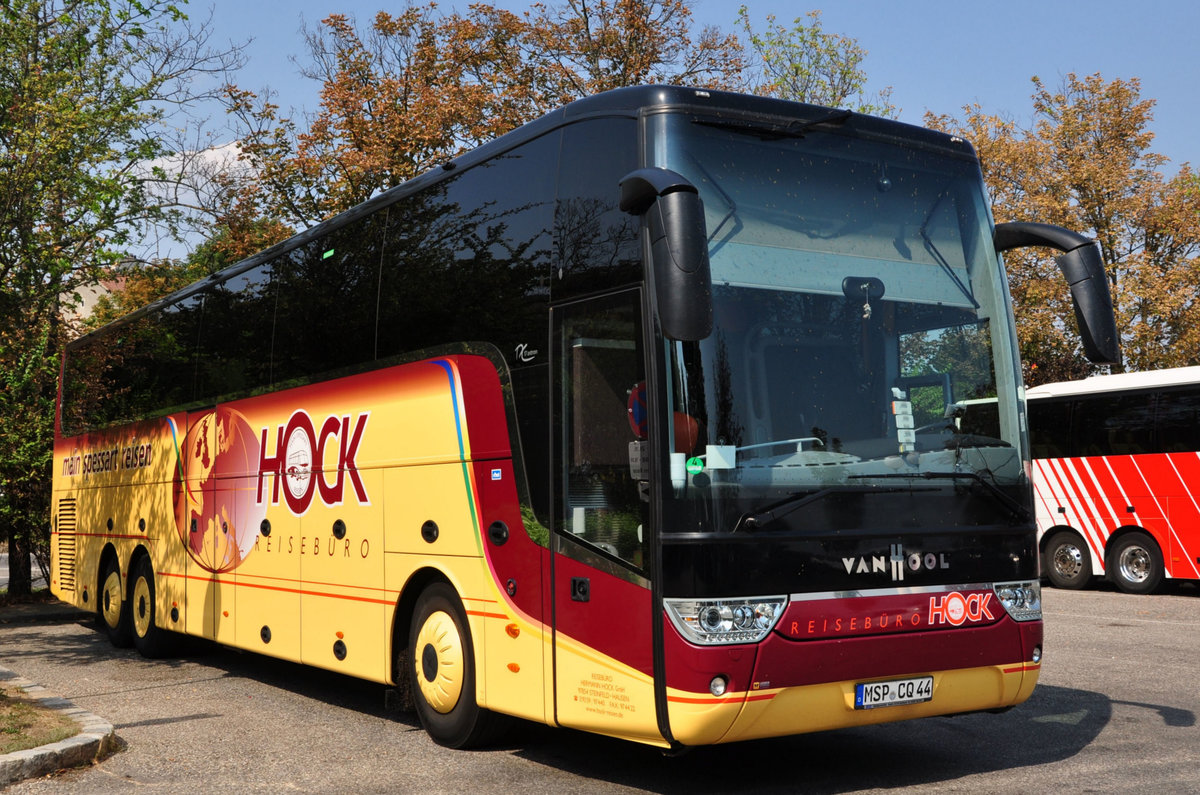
{"x": 235, "y": 336}
{"x": 325, "y": 316}
{"x": 596, "y": 245}
{"x": 601, "y": 366}
{"x": 1050, "y": 428}
{"x": 469, "y": 259}
{"x": 141, "y": 368}
{"x": 1120, "y": 424}
{"x": 1178, "y": 418}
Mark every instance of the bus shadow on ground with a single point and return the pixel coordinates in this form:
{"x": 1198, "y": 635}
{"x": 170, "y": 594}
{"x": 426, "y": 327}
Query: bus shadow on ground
{"x": 211, "y": 662}
{"x": 1055, "y": 724}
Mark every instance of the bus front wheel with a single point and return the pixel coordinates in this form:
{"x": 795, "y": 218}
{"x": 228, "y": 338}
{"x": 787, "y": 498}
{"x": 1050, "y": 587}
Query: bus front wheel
{"x": 441, "y": 668}
{"x": 1066, "y": 561}
{"x": 113, "y": 609}
{"x": 1135, "y": 564}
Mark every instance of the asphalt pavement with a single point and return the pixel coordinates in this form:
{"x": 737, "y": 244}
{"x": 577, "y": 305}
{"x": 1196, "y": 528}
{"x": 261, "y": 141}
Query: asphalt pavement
{"x": 1116, "y": 710}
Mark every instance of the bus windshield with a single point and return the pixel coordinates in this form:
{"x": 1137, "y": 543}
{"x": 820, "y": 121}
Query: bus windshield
{"x": 858, "y": 303}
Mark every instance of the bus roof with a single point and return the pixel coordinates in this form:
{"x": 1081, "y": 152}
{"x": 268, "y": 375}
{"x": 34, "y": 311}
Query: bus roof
{"x": 627, "y": 101}
{"x": 1115, "y": 383}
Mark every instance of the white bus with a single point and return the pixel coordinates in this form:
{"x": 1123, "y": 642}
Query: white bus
{"x": 1116, "y": 476}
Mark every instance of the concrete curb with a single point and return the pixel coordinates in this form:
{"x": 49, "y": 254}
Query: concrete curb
{"x": 96, "y": 738}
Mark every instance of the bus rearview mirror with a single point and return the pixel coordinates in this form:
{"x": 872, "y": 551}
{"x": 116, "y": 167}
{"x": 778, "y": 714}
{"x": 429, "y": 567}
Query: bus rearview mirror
{"x": 679, "y": 249}
{"x": 1083, "y": 268}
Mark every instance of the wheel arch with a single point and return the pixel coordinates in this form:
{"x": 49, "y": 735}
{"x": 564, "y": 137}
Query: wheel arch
{"x": 107, "y": 554}
{"x": 1125, "y": 530}
{"x": 1050, "y": 532}
{"x": 140, "y": 551}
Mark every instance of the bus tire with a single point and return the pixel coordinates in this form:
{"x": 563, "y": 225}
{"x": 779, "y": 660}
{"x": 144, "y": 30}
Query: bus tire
{"x": 149, "y": 639}
{"x": 1135, "y": 563}
{"x": 1067, "y": 561}
{"x": 441, "y": 668}
{"x": 113, "y": 611}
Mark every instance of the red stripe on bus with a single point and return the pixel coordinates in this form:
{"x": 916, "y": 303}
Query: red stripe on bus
{"x": 1181, "y": 513}
{"x": 1097, "y": 503}
{"x": 726, "y": 700}
{"x": 277, "y": 588}
{"x": 1022, "y": 668}
{"x": 241, "y": 574}
{"x": 113, "y": 535}
{"x": 1077, "y": 503}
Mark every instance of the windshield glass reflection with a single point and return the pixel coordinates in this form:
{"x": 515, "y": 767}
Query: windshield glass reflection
{"x": 859, "y": 308}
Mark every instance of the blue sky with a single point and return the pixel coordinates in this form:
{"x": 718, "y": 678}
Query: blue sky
{"x": 936, "y": 55}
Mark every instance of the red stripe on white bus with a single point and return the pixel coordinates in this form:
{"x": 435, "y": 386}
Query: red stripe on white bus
{"x": 1083, "y": 500}
{"x": 1180, "y": 514}
{"x": 1093, "y": 494}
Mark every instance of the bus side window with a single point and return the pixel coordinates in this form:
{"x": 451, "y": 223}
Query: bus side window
{"x": 325, "y": 316}
{"x": 1115, "y": 425}
{"x": 468, "y": 260}
{"x": 1050, "y": 428}
{"x": 1177, "y": 421}
{"x": 236, "y": 330}
{"x": 601, "y": 362}
{"x": 596, "y": 245}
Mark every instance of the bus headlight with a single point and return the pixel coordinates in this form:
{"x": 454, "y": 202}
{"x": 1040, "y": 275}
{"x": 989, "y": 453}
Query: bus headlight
{"x": 1022, "y": 600}
{"x": 714, "y": 621}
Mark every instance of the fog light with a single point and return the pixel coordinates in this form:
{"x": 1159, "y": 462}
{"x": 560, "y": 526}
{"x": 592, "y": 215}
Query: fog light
{"x": 1037, "y": 654}
{"x": 718, "y": 686}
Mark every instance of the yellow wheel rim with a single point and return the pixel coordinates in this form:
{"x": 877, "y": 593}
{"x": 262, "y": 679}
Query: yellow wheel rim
{"x": 439, "y": 658}
{"x": 110, "y": 599}
{"x": 143, "y": 612}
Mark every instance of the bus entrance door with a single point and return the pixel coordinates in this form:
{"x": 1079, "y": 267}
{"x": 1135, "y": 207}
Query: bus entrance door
{"x": 602, "y": 649}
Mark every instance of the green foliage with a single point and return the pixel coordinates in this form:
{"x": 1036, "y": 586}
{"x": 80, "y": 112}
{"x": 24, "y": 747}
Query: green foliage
{"x": 84, "y": 88}
{"x": 806, "y": 64}
{"x": 963, "y": 352}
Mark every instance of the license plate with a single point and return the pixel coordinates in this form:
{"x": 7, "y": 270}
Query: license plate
{"x": 869, "y": 695}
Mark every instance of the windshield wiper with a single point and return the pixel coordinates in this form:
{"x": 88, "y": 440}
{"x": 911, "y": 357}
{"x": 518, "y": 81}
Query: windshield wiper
{"x": 773, "y": 132}
{"x": 937, "y": 254}
{"x": 725, "y": 197}
{"x": 1018, "y": 510}
{"x": 764, "y": 515}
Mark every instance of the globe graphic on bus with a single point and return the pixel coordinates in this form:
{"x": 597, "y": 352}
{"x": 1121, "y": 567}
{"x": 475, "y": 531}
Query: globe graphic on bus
{"x": 217, "y": 511}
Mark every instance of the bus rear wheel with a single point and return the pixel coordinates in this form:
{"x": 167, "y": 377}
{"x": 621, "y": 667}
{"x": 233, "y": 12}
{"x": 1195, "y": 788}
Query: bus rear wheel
{"x": 441, "y": 668}
{"x": 148, "y": 637}
{"x": 1135, "y": 564}
{"x": 113, "y": 609}
{"x": 1066, "y": 561}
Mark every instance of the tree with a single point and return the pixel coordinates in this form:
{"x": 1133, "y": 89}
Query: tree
{"x": 806, "y": 64}
{"x": 87, "y": 88}
{"x": 1085, "y": 163}
{"x": 416, "y": 88}
{"x": 408, "y": 93}
{"x": 589, "y": 46}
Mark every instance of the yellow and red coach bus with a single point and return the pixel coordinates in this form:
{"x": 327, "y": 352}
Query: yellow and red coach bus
{"x": 615, "y": 423}
{"x": 1114, "y": 474}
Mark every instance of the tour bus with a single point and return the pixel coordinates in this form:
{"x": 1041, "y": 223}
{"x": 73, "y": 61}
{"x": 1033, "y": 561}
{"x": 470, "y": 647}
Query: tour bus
{"x": 613, "y": 423}
{"x": 1115, "y": 461}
